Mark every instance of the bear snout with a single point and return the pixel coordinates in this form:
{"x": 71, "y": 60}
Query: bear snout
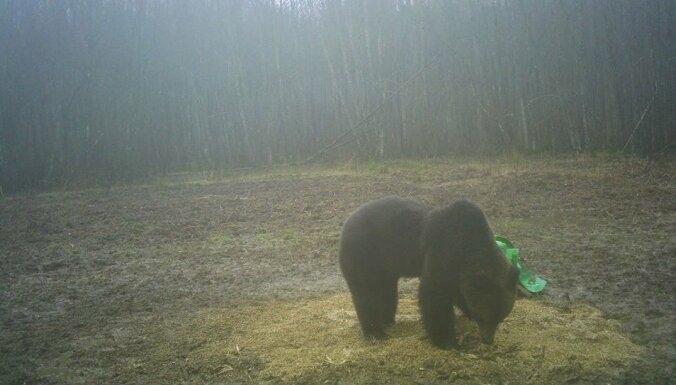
{"x": 488, "y": 333}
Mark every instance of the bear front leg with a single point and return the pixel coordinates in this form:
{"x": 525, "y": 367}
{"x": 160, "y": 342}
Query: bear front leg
{"x": 438, "y": 318}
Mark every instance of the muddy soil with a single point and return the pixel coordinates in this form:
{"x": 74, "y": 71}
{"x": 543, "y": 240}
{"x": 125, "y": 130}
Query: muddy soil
{"x": 85, "y": 274}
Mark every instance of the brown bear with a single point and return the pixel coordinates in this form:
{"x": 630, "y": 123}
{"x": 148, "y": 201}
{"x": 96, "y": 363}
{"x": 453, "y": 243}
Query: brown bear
{"x": 378, "y": 245}
{"x": 452, "y": 250}
{"x": 463, "y": 267}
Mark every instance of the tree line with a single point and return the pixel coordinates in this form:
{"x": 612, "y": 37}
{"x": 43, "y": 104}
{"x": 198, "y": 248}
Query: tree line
{"x": 117, "y": 89}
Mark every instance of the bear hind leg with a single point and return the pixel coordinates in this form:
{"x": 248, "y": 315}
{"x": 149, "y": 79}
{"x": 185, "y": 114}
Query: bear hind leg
{"x": 390, "y": 298}
{"x": 368, "y": 304}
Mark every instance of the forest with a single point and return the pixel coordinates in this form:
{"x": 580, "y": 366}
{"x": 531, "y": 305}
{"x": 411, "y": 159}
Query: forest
{"x": 107, "y": 91}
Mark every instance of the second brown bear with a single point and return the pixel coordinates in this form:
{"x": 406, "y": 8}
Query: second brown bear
{"x": 463, "y": 267}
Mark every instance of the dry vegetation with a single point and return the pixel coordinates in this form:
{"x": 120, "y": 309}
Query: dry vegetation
{"x": 233, "y": 279}
{"x": 318, "y": 341}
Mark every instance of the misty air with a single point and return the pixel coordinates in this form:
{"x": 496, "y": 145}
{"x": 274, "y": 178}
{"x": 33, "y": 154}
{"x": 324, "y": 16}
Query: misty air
{"x": 337, "y": 191}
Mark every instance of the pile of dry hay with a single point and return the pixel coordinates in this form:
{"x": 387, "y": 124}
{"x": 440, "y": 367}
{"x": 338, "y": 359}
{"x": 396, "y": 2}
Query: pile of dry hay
{"x": 318, "y": 341}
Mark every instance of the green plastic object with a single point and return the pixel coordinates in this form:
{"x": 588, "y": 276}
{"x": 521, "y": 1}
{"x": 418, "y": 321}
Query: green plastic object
{"x": 528, "y": 280}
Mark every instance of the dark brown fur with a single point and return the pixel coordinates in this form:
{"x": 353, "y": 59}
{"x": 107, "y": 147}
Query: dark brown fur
{"x": 379, "y": 245}
{"x": 452, "y": 250}
{"x": 463, "y": 267}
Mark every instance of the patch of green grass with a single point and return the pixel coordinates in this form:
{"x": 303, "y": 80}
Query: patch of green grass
{"x": 221, "y": 239}
{"x": 412, "y": 168}
{"x": 277, "y": 172}
{"x": 277, "y": 238}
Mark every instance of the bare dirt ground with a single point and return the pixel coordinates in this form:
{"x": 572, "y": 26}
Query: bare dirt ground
{"x": 234, "y": 279}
